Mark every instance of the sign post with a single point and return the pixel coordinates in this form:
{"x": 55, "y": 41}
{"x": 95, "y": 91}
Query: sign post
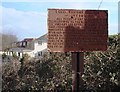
{"x": 77, "y": 70}
{"x": 77, "y": 31}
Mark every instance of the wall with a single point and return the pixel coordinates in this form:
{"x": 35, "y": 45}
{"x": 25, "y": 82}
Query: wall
{"x": 40, "y": 48}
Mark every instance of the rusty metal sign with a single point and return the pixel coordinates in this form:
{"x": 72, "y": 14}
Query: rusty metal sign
{"x": 77, "y": 30}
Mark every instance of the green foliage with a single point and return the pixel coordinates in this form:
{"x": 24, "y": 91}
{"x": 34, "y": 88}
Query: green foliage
{"x": 4, "y": 56}
{"x": 53, "y": 72}
{"x": 26, "y": 57}
{"x": 15, "y": 56}
{"x": 102, "y": 69}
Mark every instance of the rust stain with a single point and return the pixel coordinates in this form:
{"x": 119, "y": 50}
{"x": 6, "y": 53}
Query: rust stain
{"x": 77, "y": 30}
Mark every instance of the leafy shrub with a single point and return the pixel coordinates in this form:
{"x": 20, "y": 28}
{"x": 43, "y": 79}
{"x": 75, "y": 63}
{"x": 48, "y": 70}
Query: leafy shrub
{"x": 4, "y": 56}
{"x": 15, "y": 56}
{"x": 53, "y": 73}
{"x": 101, "y": 72}
{"x": 102, "y": 69}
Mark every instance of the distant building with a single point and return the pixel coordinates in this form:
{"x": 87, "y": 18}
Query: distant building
{"x": 33, "y": 47}
{"x": 40, "y": 46}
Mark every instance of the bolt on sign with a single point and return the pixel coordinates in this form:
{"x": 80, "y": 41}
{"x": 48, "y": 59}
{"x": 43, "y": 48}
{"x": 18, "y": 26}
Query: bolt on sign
{"x": 77, "y": 30}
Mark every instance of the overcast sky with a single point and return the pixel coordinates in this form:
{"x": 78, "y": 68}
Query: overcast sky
{"x": 28, "y": 18}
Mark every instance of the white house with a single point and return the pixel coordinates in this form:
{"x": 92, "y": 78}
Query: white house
{"x": 40, "y": 46}
{"x": 32, "y": 47}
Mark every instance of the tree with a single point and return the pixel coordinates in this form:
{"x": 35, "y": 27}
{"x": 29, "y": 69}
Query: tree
{"x": 102, "y": 69}
{"x": 7, "y": 40}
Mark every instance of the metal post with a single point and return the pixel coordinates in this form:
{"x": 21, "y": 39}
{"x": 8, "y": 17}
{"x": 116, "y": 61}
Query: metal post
{"x": 77, "y": 70}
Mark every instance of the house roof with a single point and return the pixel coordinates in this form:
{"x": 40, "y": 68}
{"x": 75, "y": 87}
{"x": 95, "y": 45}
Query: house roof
{"x": 28, "y": 39}
{"x": 43, "y": 38}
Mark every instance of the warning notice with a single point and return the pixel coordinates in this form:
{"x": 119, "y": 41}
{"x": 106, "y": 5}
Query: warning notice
{"x": 77, "y": 30}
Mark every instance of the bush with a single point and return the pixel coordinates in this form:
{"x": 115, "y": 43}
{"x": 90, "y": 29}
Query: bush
{"x": 45, "y": 74}
{"x": 4, "y": 56}
{"x": 102, "y": 69}
{"x": 101, "y": 72}
{"x": 15, "y": 56}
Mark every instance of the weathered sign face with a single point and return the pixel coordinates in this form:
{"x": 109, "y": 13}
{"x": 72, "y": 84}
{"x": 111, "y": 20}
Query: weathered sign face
{"x": 77, "y": 30}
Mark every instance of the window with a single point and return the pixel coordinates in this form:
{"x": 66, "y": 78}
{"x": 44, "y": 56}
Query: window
{"x": 40, "y": 53}
{"x": 40, "y": 42}
{"x": 18, "y": 53}
{"x": 24, "y": 43}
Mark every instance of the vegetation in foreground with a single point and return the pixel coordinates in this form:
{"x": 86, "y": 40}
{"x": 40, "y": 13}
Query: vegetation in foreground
{"x": 101, "y": 72}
